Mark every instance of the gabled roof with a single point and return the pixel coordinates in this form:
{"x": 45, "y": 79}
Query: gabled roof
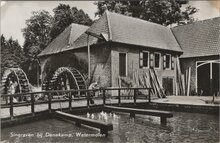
{"x": 65, "y": 39}
{"x": 128, "y": 30}
{"x": 201, "y": 38}
{"x": 116, "y": 28}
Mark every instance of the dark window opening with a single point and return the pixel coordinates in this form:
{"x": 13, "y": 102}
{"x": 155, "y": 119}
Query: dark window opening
{"x": 157, "y": 60}
{"x": 122, "y": 64}
{"x": 168, "y": 61}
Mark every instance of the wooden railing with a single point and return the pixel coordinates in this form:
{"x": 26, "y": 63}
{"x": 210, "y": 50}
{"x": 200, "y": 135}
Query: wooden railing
{"x": 69, "y": 93}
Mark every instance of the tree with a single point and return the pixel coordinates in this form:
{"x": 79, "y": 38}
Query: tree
{"x": 64, "y": 16}
{"x": 164, "y": 12}
{"x": 41, "y": 28}
{"x": 12, "y": 54}
{"x": 36, "y": 33}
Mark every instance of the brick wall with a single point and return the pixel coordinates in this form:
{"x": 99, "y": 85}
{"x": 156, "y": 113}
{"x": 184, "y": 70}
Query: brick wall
{"x": 101, "y": 65}
{"x": 104, "y": 63}
{"x": 132, "y": 53}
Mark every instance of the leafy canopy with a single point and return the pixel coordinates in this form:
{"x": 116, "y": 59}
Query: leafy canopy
{"x": 11, "y": 54}
{"x": 164, "y": 12}
{"x": 64, "y": 15}
{"x": 36, "y": 33}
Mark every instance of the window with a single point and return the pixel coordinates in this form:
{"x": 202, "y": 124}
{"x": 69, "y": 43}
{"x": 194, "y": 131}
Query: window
{"x": 122, "y": 64}
{"x": 157, "y": 60}
{"x": 144, "y": 59}
{"x": 167, "y": 61}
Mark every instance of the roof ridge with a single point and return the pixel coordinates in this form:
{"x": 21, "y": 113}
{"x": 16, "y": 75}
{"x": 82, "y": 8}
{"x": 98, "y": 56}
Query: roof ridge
{"x": 71, "y": 27}
{"x": 138, "y": 19}
{"x": 109, "y": 26}
{"x": 196, "y": 22}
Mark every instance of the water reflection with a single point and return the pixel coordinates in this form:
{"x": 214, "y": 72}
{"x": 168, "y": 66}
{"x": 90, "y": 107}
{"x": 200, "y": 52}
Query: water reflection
{"x": 183, "y": 127}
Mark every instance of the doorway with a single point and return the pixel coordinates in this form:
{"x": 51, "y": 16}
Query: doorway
{"x": 122, "y": 64}
{"x": 208, "y": 78}
{"x": 203, "y": 78}
{"x": 215, "y": 77}
{"x": 167, "y": 83}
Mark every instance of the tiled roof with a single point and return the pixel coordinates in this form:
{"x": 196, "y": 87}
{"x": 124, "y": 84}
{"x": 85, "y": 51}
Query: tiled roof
{"x": 98, "y": 27}
{"x": 134, "y": 31}
{"x": 201, "y": 38}
{"x": 116, "y": 28}
{"x": 65, "y": 39}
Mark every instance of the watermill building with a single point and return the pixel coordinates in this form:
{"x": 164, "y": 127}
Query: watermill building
{"x": 119, "y": 46}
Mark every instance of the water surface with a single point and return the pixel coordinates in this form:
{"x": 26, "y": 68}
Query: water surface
{"x": 183, "y": 127}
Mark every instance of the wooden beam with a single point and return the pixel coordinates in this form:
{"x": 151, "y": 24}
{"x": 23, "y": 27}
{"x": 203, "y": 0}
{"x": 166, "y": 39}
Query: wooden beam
{"x": 104, "y": 98}
{"x": 89, "y": 76}
{"x": 104, "y": 127}
{"x": 32, "y": 104}
{"x": 188, "y": 84}
{"x": 49, "y": 102}
{"x": 94, "y": 35}
{"x": 162, "y": 114}
{"x": 11, "y": 106}
{"x": 183, "y": 83}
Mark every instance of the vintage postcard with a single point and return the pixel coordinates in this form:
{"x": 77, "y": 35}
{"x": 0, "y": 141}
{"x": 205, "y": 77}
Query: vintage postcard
{"x": 143, "y": 71}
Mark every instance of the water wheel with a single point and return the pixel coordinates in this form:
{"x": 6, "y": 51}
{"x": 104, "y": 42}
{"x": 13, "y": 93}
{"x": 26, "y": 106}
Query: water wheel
{"x": 65, "y": 78}
{"x": 18, "y": 76}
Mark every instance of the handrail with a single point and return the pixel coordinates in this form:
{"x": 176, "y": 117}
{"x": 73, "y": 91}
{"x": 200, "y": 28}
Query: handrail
{"x": 73, "y": 90}
{"x": 68, "y": 92}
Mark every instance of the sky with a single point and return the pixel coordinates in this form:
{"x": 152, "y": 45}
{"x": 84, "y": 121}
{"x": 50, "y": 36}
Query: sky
{"x": 14, "y": 13}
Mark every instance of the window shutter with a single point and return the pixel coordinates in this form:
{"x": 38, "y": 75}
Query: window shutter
{"x": 172, "y": 63}
{"x": 151, "y": 60}
{"x": 164, "y": 62}
{"x": 141, "y": 59}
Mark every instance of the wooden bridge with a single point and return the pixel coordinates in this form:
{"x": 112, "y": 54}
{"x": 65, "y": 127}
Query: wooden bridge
{"x": 104, "y": 127}
{"x": 68, "y": 93}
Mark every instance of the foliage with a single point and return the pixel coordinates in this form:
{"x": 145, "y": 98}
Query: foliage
{"x": 36, "y": 33}
{"x": 41, "y": 28}
{"x": 64, "y": 16}
{"x": 11, "y": 54}
{"x": 164, "y": 12}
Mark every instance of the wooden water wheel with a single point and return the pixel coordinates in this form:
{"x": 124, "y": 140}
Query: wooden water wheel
{"x": 65, "y": 78}
{"x": 15, "y": 75}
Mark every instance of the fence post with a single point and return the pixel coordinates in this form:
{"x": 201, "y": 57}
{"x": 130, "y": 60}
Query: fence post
{"x": 119, "y": 97}
{"x": 70, "y": 101}
{"x": 88, "y": 98}
{"x": 32, "y": 104}
{"x": 11, "y": 106}
{"x": 135, "y": 96}
{"x": 103, "y": 96}
{"x": 149, "y": 96}
{"x": 49, "y": 102}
